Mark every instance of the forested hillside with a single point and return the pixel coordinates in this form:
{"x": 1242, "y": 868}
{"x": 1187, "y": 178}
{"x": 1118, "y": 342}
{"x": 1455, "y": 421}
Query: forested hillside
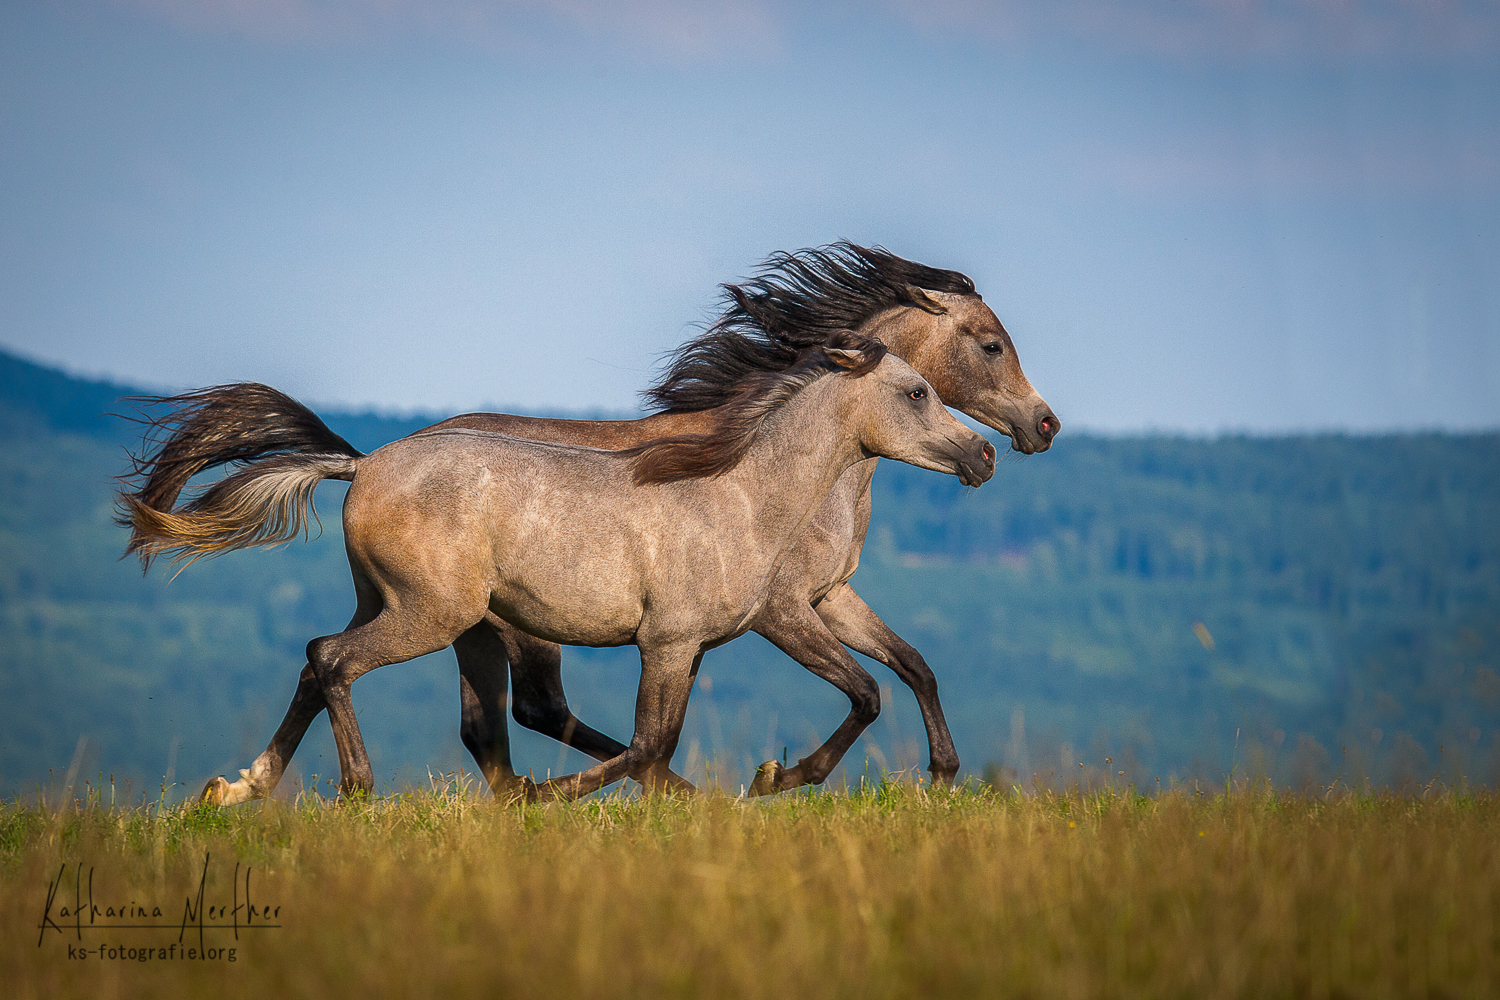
{"x": 1302, "y": 607}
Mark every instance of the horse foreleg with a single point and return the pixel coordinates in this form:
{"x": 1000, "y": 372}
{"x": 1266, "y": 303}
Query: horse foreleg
{"x": 667, "y": 676}
{"x": 850, "y": 619}
{"x": 539, "y": 703}
{"x": 260, "y": 779}
{"x": 797, "y": 631}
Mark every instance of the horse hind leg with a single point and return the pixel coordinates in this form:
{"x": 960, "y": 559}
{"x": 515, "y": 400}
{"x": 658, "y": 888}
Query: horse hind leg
{"x": 394, "y": 636}
{"x": 260, "y": 779}
{"x": 482, "y": 660}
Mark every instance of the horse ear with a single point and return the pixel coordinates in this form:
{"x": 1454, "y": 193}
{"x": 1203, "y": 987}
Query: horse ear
{"x": 925, "y": 302}
{"x": 843, "y": 358}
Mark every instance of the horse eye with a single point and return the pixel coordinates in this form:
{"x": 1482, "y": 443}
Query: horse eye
{"x": 994, "y": 348}
{"x": 917, "y": 394}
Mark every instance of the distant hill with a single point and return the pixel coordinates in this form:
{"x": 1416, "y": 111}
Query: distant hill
{"x": 1298, "y": 607}
{"x": 35, "y": 398}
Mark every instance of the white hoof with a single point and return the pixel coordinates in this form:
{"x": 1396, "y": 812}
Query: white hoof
{"x": 219, "y": 792}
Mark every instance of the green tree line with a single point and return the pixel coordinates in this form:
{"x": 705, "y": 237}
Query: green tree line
{"x": 1301, "y": 607}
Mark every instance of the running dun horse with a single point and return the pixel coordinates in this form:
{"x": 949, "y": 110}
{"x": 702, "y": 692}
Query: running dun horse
{"x": 930, "y": 317}
{"x": 671, "y": 545}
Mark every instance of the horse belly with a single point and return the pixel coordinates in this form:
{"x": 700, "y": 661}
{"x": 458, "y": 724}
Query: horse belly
{"x": 587, "y": 602}
{"x": 567, "y": 623}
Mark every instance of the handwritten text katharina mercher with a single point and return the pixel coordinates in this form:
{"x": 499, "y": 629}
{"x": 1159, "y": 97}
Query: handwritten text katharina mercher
{"x": 201, "y": 917}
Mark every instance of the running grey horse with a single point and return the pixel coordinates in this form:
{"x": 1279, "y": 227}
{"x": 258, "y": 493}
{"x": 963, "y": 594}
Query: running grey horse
{"x": 671, "y": 545}
{"x": 932, "y": 318}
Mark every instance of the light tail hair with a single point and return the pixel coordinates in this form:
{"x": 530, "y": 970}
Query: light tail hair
{"x": 282, "y": 447}
{"x": 264, "y": 504}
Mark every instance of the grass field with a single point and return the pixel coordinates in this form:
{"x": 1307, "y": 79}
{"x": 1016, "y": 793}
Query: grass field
{"x": 894, "y": 892}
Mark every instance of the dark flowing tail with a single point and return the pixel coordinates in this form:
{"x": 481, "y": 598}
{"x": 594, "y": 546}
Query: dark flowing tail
{"x": 285, "y": 451}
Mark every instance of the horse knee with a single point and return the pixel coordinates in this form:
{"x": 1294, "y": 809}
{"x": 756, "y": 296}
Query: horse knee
{"x": 920, "y": 677}
{"x": 647, "y": 750}
{"x": 864, "y": 701}
{"x": 657, "y": 778}
{"x": 322, "y": 659}
{"x": 652, "y": 770}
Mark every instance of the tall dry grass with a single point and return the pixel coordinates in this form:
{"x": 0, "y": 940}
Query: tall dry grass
{"x": 897, "y": 892}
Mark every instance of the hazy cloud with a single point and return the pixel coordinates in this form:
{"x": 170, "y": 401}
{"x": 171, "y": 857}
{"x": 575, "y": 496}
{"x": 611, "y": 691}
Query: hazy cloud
{"x": 704, "y": 29}
{"x": 1228, "y": 28}
{"x": 681, "y": 29}
{"x": 1417, "y": 167}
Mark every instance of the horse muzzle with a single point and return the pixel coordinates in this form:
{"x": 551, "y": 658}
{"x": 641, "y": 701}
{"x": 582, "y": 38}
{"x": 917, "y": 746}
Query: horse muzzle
{"x": 1037, "y": 437}
{"x": 976, "y": 464}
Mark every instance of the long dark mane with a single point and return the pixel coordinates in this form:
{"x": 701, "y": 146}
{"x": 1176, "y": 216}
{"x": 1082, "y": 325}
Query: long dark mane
{"x": 757, "y": 396}
{"x": 796, "y": 301}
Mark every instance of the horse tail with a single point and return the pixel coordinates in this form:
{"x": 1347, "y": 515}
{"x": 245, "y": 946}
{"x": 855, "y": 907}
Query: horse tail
{"x": 286, "y": 450}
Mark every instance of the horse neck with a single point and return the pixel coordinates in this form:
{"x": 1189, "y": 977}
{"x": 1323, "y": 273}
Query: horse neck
{"x": 797, "y": 457}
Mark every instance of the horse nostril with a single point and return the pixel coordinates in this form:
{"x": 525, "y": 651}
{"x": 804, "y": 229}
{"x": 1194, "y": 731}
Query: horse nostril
{"x": 1047, "y": 427}
{"x": 989, "y": 453}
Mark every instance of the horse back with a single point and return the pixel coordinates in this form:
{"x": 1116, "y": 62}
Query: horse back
{"x": 556, "y": 540}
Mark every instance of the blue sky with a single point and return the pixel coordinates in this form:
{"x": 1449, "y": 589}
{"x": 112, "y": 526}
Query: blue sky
{"x": 1193, "y": 216}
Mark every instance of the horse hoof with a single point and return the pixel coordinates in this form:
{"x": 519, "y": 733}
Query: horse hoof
{"x": 219, "y": 792}
{"x": 766, "y": 778}
{"x": 216, "y": 792}
{"x": 518, "y": 790}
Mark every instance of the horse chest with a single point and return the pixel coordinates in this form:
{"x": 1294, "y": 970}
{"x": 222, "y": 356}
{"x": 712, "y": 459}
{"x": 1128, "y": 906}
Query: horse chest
{"x": 827, "y": 553}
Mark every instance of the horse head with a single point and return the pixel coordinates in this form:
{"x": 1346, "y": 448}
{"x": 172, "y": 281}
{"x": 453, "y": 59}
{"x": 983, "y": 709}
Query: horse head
{"x": 900, "y": 416}
{"x": 959, "y": 344}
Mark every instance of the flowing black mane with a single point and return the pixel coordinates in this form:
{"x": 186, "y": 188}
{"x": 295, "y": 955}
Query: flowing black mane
{"x": 694, "y": 456}
{"x": 797, "y": 300}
